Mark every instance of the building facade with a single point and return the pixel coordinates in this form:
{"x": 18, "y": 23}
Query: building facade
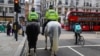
{"x": 7, "y": 9}
{"x": 63, "y": 6}
{"x": 77, "y": 5}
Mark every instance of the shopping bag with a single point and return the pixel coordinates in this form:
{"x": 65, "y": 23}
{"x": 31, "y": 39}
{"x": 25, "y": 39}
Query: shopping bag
{"x": 20, "y": 31}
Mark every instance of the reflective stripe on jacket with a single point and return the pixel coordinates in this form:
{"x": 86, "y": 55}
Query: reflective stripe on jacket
{"x": 52, "y": 15}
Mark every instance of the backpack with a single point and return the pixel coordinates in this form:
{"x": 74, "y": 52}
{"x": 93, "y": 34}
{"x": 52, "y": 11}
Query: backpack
{"x": 78, "y": 28}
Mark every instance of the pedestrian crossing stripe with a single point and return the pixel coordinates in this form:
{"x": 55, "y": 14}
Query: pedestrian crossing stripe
{"x": 72, "y": 46}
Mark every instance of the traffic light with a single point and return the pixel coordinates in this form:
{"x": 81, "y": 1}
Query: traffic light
{"x": 17, "y": 7}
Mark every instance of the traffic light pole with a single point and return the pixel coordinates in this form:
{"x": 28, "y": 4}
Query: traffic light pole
{"x": 16, "y": 27}
{"x": 17, "y": 10}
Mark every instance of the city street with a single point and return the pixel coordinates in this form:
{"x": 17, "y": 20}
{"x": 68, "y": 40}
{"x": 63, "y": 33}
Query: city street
{"x": 67, "y": 47}
{"x": 17, "y": 14}
{"x": 9, "y": 46}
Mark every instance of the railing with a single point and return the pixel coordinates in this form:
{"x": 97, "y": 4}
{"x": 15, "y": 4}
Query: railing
{"x": 22, "y": 49}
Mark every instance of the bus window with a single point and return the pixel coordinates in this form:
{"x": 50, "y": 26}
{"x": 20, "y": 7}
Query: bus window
{"x": 74, "y": 14}
{"x": 94, "y": 23}
{"x": 99, "y": 14}
{"x": 79, "y": 14}
{"x": 98, "y": 23}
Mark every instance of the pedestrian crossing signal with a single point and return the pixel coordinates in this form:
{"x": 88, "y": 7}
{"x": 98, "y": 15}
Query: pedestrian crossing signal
{"x": 17, "y": 7}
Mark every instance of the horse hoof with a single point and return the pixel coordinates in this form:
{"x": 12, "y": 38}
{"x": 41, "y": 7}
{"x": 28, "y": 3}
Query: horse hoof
{"x": 34, "y": 54}
{"x": 55, "y": 55}
{"x": 50, "y": 50}
{"x": 29, "y": 54}
{"x": 45, "y": 49}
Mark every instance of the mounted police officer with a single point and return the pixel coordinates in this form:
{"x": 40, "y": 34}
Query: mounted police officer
{"x": 32, "y": 29}
{"x": 51, "y": 15}
{"x": 33, "y": 16}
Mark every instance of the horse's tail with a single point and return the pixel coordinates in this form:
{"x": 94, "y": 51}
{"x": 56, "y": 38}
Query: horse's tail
{"x": 56, "y": 33}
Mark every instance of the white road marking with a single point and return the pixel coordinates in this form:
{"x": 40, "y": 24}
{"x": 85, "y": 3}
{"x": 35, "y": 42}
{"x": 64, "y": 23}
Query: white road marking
{"x": 72, "y": 46}
{"x": 76, "y": 51}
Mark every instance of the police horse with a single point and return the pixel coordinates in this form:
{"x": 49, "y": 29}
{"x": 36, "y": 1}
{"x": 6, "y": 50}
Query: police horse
{"x": 32, "y": 32}
{"x": 53, "y": 31}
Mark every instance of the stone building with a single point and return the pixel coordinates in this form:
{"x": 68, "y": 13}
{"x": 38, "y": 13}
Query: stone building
{"x": 7, "y": 8}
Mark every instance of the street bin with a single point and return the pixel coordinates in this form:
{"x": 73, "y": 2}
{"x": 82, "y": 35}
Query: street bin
{"x": 2, "y": 28}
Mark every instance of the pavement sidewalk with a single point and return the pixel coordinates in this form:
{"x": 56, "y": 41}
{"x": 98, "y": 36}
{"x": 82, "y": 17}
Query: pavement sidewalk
{"x": 8, "y": 44}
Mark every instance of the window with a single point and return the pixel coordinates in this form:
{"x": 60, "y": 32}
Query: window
{"x": 6, "y": 9}
{"x": 1, "y": 9}
{"x": 10, "y": 1}
{"x": 87, "y": 4}
{"x": 59, "y": 10}
{"x": 11, "y": 9}
{"x": 80, "y": 14}
{"x": 66, "y": 2}
{"x": 73, "y": 14}
{"x": 22, "y": 2}
{"x": 96, "y": 10}
{"x": 1, "y": 1}
{"x": 60, "y": 2}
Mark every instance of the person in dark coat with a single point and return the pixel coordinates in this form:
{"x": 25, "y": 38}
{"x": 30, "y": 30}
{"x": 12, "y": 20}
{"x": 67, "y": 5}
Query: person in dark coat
{"x": 8, "y": 29}
{"x": 32, "y": 32}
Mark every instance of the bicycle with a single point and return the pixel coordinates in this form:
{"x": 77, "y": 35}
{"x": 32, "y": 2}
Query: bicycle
{"x": 80, "y": 40}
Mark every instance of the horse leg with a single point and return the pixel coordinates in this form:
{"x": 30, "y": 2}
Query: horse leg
{"x": 51, "y": 41}
{"x": 35, "y": 42}
{"x": 45, "y": 42}
{"x": 29, "y": 47}
{"x": 55, "y": 53}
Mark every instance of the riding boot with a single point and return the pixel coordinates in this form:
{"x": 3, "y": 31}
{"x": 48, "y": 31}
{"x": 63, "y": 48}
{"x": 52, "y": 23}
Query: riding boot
{"x": 43, "y": 30}
{"x": 44, "y": 25}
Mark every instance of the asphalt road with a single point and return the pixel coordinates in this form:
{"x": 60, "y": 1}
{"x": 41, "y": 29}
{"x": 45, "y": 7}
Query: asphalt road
{"x": 67, "y": 47}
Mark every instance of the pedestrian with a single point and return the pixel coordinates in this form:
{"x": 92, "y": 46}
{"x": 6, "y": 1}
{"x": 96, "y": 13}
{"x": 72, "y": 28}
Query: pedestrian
{"x": 8, "y": 29}
{"x": 51, "y": 15}
{"x": 23, "y": 28}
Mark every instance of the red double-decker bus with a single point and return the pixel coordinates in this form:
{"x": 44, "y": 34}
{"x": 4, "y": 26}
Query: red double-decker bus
{"x": 90, "y": 21}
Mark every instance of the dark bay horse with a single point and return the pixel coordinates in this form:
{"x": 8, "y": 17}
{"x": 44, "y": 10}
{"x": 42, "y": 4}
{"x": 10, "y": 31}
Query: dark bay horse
{"x": 53, "y": 31}
{"x": 32, "y": 32}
